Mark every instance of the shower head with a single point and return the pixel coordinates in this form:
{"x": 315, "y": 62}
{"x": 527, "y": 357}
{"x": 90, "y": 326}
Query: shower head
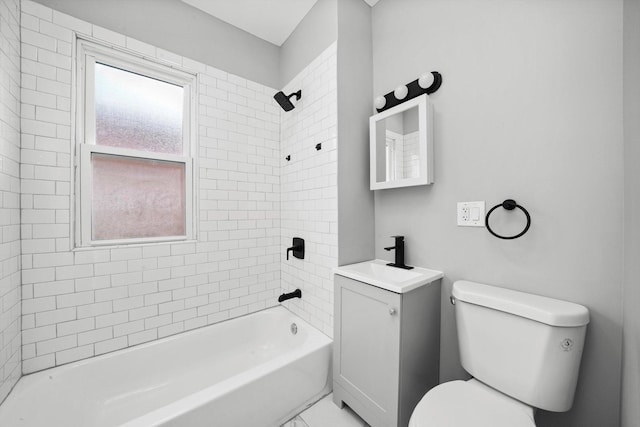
{"x": 285, "y": 101}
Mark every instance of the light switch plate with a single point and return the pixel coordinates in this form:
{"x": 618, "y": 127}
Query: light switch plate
{"x": 471, "y": 214}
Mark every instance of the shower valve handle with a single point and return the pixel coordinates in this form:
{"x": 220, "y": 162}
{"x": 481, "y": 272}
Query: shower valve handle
{"x": 297, "y": 248}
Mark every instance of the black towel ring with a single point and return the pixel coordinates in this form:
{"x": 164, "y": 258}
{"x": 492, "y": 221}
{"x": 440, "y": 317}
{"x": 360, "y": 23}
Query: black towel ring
{"x": 509, "y": 205}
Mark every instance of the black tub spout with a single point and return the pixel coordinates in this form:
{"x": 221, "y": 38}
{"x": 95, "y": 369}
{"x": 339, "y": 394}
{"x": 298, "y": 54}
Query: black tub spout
{"x": 295, "y": 294}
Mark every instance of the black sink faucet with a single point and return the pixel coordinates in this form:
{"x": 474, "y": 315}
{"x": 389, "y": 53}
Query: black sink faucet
{"x": 399, "y": 248}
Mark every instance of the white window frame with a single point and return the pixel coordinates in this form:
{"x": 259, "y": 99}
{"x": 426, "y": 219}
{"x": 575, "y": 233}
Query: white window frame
{"x": 87, "y": 54}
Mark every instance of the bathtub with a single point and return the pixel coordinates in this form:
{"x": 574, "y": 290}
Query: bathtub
{"x": 251, "y": 371}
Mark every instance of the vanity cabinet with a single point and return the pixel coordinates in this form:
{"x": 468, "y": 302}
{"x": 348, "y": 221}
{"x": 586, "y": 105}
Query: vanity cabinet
{"x": 386, "y": 349}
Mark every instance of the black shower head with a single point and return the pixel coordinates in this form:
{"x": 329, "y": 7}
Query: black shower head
{"x": 285, "y": 101}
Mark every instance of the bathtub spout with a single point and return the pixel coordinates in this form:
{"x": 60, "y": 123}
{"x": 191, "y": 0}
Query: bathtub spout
{"x": 295, "y": 294}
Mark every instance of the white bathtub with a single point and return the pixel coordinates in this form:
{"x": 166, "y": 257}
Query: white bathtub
{"x": 247, "y": 372}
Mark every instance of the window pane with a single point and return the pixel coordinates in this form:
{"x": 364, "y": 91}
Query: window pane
{"x": 133, "y": 111}
{"x": 137, "y": 198}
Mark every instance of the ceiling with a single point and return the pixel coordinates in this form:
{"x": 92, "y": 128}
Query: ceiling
{"x": 270, "y": 20}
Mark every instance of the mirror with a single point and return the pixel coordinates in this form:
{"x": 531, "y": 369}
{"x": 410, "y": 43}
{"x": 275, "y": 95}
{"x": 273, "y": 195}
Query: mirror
{"x": 400, "y": 145}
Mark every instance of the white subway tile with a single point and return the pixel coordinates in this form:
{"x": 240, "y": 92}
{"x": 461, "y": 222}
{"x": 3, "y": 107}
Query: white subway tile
{"x": 108, "y": 346}
{"x": 123, "y": 254}
{"x": 71, "y": 23}
{"x": 157, "y": 298}
{"x": 167, "y": 56}
{"x": 55, "y": 316}
{"x": 143, "y": 312}
{"x": 92, "y": 283}
{"x": 36, "y": 39}
{"x": 56, "y": 344}
{"x": 53, "y": 288}
{"x": 128, "y": 328}
{"x": 38, "y": 334}
{"x": 109, "y": 36}
{"x": 143, "y": 289}
{"x": 92, "y": 256}
{"x": 95, "y": 335}
{"x": 170, "y": 307}
{"x": 140, "y": 47}
{"x": 73, "y": 354}
{"x": 54, "y": 87}
{"x": 75, "y": 326}
{"x": 74, "y": 271}
{"x": 75, "y": 299}
{"x": 128, "y": 303}
{"x": 158, "y": 274}
{"x": 162, "y": 250}
{"x": 115, "y": 267}
{"x": 38, "y": 275}
{"x": 112, "y": 319}
{"x": 111, "y": 294}
{"x": 125, "y": 279}
{"x": 37, "y": 10}
{"x": 57, "y": 32}
{"x": 38, "y": 363}
{"x": 94, "y": 310}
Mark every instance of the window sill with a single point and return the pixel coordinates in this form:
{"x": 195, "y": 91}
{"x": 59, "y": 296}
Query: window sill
{"x": 131, "y": 245}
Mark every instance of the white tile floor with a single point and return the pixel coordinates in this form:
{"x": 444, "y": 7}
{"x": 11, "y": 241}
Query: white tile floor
{"x": 325, "y": 413}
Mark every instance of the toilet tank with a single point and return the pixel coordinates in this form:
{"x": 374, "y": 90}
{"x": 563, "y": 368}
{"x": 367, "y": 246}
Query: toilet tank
{"x": 526, "y": 346}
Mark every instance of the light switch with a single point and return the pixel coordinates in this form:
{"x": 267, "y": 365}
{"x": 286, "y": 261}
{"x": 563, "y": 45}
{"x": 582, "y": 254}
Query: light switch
{"x": 475, "y": 214}
{"x": 471, "y": 214}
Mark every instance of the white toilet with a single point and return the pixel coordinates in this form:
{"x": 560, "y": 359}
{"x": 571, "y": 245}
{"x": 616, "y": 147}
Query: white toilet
{"x": 523, "y": 352}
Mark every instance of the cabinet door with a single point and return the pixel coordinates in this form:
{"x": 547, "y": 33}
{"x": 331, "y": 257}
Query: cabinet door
{"x": 368, "y": 336}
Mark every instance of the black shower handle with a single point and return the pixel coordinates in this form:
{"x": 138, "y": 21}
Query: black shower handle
{"x": 297, "y": 248}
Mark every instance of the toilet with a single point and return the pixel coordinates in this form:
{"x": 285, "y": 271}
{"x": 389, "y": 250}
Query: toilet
{"x": 523, "y": 352}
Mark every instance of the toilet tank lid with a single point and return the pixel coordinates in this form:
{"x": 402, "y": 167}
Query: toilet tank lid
{"x": 551, "y": 311}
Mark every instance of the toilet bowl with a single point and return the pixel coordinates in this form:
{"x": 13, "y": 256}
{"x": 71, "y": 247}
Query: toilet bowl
{"x": 472, "y": 404}
{"x": 523, "y": 351}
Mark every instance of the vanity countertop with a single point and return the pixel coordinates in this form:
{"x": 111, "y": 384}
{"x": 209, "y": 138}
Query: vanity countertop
{"x": 377, "y": 273}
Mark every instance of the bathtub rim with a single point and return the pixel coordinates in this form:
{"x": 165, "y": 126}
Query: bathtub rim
{"x": 32, "y": 379}
{"x": 194, "y": 331}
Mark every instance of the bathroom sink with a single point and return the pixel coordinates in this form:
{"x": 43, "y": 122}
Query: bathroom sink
{"x": 377, "y": 273}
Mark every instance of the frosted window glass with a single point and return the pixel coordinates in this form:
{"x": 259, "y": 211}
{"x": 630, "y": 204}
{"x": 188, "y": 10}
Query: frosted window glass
{"x": 135, "y": 198}
{"x": 134, "y": 111}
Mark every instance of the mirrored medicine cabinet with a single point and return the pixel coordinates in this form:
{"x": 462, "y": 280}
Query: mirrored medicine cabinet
{"x": 401, "y": 152}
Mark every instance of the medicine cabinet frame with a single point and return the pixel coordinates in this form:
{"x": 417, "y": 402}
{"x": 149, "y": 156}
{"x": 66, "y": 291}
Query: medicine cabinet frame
{"x": 379, "y": 148}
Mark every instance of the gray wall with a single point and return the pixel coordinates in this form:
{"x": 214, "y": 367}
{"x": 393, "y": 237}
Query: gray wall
{"x": 185, "y": 30}
{"x": 312, "y": 36}
{"x": 530, "y": 109}
{"x": 631, "y": 348}
{"x": 355, "y": 81}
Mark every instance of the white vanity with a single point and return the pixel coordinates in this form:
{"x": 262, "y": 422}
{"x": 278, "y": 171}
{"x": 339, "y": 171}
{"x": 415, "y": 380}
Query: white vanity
{"x": 386, "y": 339}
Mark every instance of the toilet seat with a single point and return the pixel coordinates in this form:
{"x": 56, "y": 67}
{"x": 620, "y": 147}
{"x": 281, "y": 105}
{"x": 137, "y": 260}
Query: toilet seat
{"x": 470, "y": 403}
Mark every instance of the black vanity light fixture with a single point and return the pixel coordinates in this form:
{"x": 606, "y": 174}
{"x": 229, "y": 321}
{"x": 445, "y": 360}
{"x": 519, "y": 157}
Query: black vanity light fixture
{"x": 285, "y": 100}
{"x": 426, "y": 83}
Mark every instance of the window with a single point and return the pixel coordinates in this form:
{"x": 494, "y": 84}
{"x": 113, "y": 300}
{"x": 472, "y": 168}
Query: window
{"x": 134, "y": 154}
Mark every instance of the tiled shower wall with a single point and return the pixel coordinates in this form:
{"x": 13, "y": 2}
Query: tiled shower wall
{"x": 10, "y": 360}
{"x": 309, "y": 190}
{"x": 82, "y": 303}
